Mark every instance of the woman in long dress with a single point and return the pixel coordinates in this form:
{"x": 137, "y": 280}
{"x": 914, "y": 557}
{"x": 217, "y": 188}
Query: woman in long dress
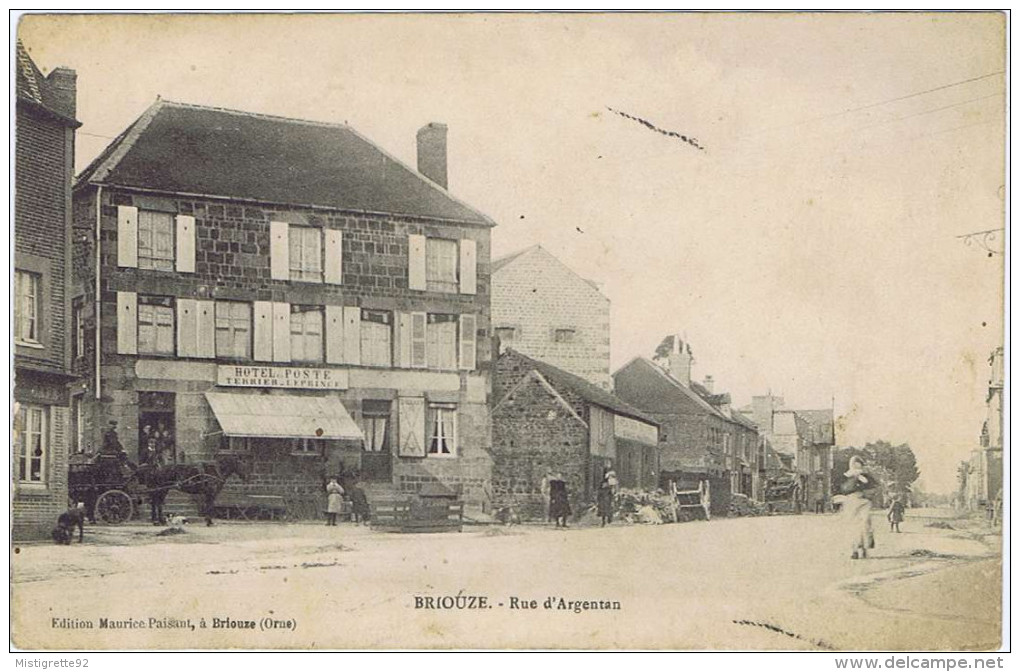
{"x": 855, "y": 509}
{"x": 559, "y": 502}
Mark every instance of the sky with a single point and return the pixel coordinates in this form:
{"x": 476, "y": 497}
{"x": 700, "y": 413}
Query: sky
{"x": 811, "y": 248}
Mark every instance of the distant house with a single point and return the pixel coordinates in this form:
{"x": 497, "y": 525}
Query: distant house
{"x": 545, "y": 418}
{"x": 701, "y": 437}
{"x": 46, "y": 335}
{"x": 984, "y": 478}
{"x": 543, "y": 309}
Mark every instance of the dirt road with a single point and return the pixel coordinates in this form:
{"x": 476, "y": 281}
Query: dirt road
{"x": 750, "y": 583}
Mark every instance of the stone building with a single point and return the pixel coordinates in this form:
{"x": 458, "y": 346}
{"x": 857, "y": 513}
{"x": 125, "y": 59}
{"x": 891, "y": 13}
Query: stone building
{"x": 701, "y": 437}
{"x": 984, "y": 477}
{"x": 546, "y": 419}
{"x": 44, "y": 340}
{"x": 543, "y": 309}
{"x": 285, "y": 291}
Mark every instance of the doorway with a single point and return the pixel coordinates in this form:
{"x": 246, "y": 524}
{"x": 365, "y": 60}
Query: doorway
{"x": 377, "y": 456}
{"x": 157, "y": 431}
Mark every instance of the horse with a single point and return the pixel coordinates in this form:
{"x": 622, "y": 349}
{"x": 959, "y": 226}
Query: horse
{"x": 205, "y": 478}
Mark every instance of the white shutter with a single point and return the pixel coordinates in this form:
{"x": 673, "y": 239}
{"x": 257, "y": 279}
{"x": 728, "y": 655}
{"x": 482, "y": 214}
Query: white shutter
{"x": 281, "y": 332}
{"x": 468, "y": 266}
{"x": 352, "y": 335}
{"x": 263, "y": 329}
{"x": 403, "y": 332}
{"x": 185, "y": 243}
{"x": 206, "y": 323}
{"x": 334, "y": 334}
{"x": 416, "y": 262}
{"x": 279, "y": 251}
{"x": 187, "y": 327}
{"x": 127, "y": 236}
{"x": 419, "y": 340}
{"x": 334, "y": 257}
{"x": 127, "y": 323}
{"x": 411, "y": 423}
{"x": 467, "y": 342}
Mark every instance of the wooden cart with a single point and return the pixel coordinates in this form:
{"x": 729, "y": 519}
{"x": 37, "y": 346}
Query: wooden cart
{"x": 697, "y": 502}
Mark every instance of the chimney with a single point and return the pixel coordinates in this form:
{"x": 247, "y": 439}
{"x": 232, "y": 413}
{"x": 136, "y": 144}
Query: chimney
{"x": 709, "y": 384}
{"x": 679, "y": 361}
{"x": 432, "y": 152}
{"x": 64, "y": 86}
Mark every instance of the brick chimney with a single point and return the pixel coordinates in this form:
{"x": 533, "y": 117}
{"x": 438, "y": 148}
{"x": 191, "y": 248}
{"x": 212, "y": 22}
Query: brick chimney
{"x": 679, "y": 361}
{"x": 64, "y": 87}
{"x": 709, "y": 384}
{"x": 432, "y": 152}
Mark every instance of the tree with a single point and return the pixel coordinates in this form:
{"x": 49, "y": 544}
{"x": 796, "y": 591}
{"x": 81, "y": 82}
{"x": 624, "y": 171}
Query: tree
{"x": 894, "y": 467}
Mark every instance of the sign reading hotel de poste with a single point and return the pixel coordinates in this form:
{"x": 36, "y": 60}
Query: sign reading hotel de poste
{"x": 281, "y": 376}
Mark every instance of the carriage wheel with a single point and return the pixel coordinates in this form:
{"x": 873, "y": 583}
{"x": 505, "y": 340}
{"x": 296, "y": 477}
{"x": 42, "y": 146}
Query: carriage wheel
{"x": 114, "y": 507}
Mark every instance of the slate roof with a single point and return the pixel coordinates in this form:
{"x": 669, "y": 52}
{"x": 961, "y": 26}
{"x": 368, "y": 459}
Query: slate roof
{"x": 36, "y": 89}
{"x": 508, "y": 259}
{"x": 589, "y": 392}
{"x": 191, "y": 149}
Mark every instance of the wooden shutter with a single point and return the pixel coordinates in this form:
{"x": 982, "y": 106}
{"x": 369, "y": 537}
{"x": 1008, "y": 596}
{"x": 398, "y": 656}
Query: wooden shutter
{"x": 279, "y": 251}
{"x": 416, "y": 262}
{"x": 411, "y": 423}
{"x": 403, "y": 332}
{"x": 127, "y": 323}
{"x": 467, "y": 342}
{"x": 281, "y": 332}
{"x": 185, "y": 244}
{"x": 468, "y": 266}
{"x": 352, "y": 335}
{"x": 419, "y": 340}
{"x": 263, "y": 329}
{"x": 187, "y": 327}
{"x": 334, "y": 334}
{"x": 334, "y": 257}
{"x": 206, "y": 323}
{"x": 127, "y": 236}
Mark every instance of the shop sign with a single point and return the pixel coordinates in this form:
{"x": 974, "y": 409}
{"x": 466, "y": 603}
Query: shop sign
{"x": 293, "y": 377}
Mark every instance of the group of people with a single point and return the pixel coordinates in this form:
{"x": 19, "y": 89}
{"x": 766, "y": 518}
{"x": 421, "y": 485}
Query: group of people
{"x": 157, "y": 445}
{"x": 335, "y": 502}
{"x": 555, "y": 488}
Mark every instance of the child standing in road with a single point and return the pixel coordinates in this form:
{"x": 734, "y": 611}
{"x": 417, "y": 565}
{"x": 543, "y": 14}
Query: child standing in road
{"x": 895, "y": 515}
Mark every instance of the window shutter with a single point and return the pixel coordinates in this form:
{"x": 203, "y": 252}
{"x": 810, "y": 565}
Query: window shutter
{"x": 127, "y": 236}
{"x": 411, "y": 423}
{"x": 416, "y": 262}
{"x": 334, "y": 257}
{"x": 403, "y": 332}
{"x": 263, "y": 328}
{"x": 419, "y": 340}
{"x": 467, "y": 342}
{"x": 185, "y": 244}
{"x": 352, "y": 335}
{"x": 281, "y": 332}
{"x": 279, "y": 251}
{"x": 334, "y": 334}
{"x": 187, "y": 327}
{"x": 127, "y": 323}
{"x": 468, "y": 266}
{"x": 206, "y": 323}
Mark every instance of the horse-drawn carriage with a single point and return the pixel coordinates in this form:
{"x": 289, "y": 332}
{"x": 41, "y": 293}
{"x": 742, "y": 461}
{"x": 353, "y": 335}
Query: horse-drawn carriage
{"x": 113, "y": 489}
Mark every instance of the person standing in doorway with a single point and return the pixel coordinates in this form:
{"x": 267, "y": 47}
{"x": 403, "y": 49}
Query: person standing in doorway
{"x": 334, "y": 501}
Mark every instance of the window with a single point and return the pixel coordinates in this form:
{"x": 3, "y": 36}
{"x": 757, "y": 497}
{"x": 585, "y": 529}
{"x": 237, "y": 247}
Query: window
{"x": 27, "y": 288}
{"x": 155, "y": 240}
{"x": 306, "y": 333}
{"x": 155, "y": 325}
{"x": 32, "y": 444}
{"x": 305, "y": 253}
{"x": 307, "y": 447}
{"x": 77, "y": 425}
{"x": 79, "y": 332}
{"x": 442, "y": 342}
{"x": 376, "y": 338}
{"x": 236, "y": 445}
{"x": 375, "y": 423}
{"x": 233, "y": 330}
{"x": 505, "y": 334}
{"x": 443, "y": 434}
{"x": 563, "y": 336}
{"x": 441, "y": 265}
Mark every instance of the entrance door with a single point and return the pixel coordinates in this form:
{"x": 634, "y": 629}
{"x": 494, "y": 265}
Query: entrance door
{"x": 377, "y": 457}
{"x": 156, "y": 430}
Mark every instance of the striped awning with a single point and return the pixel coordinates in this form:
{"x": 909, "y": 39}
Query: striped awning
{"x": 282, "y": 416}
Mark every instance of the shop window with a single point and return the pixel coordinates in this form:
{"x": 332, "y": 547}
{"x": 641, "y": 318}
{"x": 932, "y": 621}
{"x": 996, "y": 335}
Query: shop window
{"x": 155, "y": 325}
{"x": 442, "y": 342}
{"x": 443, "y": 430}
{"x": 33, "y": 446}
{"x": 307, "y": 447}
{"x": 376, "y": 338}
{"x": 155, "y": 240}
{"x": 233, "y": 330}
{"x": 27, "y": 309}
{"x": 441, "y": 258}
{"x": 305, "y": 253}
{"x": 306, "y": 334}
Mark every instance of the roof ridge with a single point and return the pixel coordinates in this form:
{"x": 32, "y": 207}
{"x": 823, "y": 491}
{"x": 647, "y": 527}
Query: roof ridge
{"x": 259, "y": 115}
